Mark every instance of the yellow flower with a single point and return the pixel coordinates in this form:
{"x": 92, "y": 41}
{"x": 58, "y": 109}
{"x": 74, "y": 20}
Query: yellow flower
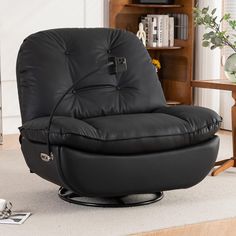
{"x": 156, "y": 63}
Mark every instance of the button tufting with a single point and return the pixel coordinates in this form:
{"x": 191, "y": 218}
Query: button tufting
{"x": 109, "y": 51}
{"x": 117, "y": 88}
{"x": 67, "y": 52}
{"x": 73, "y": 91}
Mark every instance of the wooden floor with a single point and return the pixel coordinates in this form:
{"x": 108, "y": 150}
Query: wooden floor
{"x": 10, "y": 142}
{"x": 213, "y": 228}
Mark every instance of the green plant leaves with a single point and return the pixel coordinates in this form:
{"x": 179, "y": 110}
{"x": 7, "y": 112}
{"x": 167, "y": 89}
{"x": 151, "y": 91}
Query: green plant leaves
{"x": 206, "y": 44}
{"x": 213, "y": 11}
{"x": 205, "y": 10}
{"x": 207, "y": 19}
{"x": 226, "y": 17}
{"x": 232, "y": 23}
{"x": 218, "y": 41}
{"x": 215, "y": 38}
{"x": 209, "y": 35}
{"x": 206, "y": 36}
{"x": 213, "y": 47}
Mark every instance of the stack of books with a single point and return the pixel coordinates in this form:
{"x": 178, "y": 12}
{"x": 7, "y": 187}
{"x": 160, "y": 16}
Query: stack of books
{"x": 162, "y": 30}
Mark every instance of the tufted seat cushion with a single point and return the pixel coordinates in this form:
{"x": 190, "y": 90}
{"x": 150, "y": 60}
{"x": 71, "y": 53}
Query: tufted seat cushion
{"x": 164, "y": 129}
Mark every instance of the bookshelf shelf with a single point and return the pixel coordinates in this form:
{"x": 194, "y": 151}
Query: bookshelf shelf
{"x": 164, "y": 48}
{"x": 176, "y": 73}
{"x": 152, "y": 5}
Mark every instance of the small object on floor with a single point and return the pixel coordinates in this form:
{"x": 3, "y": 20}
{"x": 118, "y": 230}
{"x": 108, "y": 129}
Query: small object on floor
{"x": 16, "y": 218}
{"x": 8, "y": 217}
{"x": 5, "y": 209}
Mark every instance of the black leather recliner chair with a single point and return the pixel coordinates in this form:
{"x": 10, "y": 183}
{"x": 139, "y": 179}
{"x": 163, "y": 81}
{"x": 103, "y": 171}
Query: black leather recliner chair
{"x": 95, "y": 120}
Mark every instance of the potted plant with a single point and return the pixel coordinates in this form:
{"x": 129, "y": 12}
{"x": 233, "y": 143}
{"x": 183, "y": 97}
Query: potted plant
{"x": 216, "y": 37}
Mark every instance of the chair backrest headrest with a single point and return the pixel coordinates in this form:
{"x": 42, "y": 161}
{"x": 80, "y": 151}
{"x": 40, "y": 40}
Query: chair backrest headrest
{"x": 50, "y": 61}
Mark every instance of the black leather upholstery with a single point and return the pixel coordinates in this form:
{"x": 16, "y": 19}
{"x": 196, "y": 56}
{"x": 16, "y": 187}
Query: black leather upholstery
{"x": 50, "y": 61}
{"x": 166, "y": 129}
{"x": 91, "y": 174}
{"x": 113, "y": 134}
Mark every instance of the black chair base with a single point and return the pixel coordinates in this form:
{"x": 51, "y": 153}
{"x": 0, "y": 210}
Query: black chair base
{"x": 122, "y": 201}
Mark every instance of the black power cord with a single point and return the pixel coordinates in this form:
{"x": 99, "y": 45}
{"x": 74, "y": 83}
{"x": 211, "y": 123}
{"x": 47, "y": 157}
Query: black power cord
{"x": 116, "y": 64}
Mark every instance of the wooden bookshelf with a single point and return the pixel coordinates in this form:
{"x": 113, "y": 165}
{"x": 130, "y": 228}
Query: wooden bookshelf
{"x": 152, "y": 5}
{"x": 177, "y": 62}
{"x": 163, "y": 48}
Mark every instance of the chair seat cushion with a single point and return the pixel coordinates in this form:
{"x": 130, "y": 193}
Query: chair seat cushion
{"x": 164, "y": 129}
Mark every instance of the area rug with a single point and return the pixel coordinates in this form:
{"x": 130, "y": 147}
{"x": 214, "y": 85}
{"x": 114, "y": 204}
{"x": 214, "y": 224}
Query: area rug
{"x": 214, "y": 198}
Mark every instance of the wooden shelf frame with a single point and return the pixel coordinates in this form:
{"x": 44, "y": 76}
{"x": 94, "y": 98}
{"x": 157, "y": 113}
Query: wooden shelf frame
{"x": 153, "y": 5}
{"x": 177, "y": 62}
{"x": 164, "y": 48}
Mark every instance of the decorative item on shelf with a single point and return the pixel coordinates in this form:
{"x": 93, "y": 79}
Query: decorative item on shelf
{"x": 217, "y": 38}
{"x": 156, "y": 63}
{"x": 156, "y": 1}
{"x": 141, "y": 34}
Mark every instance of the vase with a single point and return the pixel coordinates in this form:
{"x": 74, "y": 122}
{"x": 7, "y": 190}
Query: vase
{"x": 230, "y": 68}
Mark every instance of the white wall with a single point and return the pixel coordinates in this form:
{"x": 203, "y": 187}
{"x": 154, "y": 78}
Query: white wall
{"x": 18, "y": 19}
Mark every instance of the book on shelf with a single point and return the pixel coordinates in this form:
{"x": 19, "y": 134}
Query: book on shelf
{"x": 166, "y": 31}
{"x": 158, "y": 27}
{"x": 162, "y": 30}
{"x": 171, "y": 32}
{"x": 154, "y": 32}
{"x": 181, "y": 26}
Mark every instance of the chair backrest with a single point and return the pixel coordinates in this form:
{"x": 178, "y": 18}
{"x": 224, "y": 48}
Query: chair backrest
{"x": 50, "y": 61}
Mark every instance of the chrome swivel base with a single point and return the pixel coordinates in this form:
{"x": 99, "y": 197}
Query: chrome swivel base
{"x": 122, "y": 201}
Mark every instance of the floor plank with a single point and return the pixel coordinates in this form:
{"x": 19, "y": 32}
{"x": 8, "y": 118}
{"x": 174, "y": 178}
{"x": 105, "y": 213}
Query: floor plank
{"x": 213, "y": 228}
{"x": 10, "y": 142}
